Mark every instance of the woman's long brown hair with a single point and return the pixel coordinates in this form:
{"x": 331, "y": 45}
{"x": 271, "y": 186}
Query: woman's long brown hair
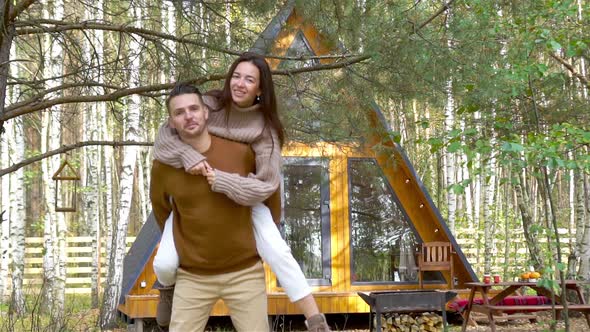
{"x": 268, "y": 99}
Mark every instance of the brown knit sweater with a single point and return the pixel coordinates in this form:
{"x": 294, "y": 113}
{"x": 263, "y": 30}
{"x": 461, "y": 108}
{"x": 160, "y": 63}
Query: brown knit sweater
{"x": 245, "y": 125}
{"x": 212, "y": 233}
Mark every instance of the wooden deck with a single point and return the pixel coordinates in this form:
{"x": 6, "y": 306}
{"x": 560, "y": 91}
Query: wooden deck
{"x": 144, "y": 306}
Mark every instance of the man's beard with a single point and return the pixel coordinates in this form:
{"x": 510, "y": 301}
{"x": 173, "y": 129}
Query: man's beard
{"x": 192, "y": 134}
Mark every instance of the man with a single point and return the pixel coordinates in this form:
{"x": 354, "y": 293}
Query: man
{"x": 212, "y": 234}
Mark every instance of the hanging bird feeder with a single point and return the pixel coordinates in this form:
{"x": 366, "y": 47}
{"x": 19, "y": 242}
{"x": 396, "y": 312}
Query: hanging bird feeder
{"x": 66, "y": 187}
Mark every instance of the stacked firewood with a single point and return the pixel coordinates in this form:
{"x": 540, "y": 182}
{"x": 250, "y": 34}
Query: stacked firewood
{"x": 426, "y": 321}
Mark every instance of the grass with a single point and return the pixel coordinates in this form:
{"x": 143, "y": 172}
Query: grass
{"x": 76, "y": 316}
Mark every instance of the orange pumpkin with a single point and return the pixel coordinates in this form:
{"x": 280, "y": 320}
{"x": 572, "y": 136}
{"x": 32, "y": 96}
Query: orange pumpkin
{"x": 535, "y": 275}
{"x": 525, "y": 275}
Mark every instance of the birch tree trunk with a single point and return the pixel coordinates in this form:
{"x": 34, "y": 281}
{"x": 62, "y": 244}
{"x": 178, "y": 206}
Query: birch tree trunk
{"x": 54, "y": 236}
{"x": 17, "y": 218}
{"x": 117, "y": 254}
{"x": 450, "y": 162}
{"x": 169, "y": 20}
{"x": 142, "y": 185}
{"x": 4, "y": 221}
{"x": 488, "y": 206}
{"x": 204, "y": 15}
{"x": 580, "y": 215}
{"x": 108, "y": 208}
{"x": 94, "y": 46}
{"x": 477, "y": 184}
{"x": 15, "y": 138}
{"x": 48, "y": 138}
{"x": 227, "y": 23}
{"x": 5, "y": 210}
{"x": 572, "y": 259}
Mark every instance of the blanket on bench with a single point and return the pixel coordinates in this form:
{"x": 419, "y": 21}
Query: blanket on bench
{"x": 460, "y": 304}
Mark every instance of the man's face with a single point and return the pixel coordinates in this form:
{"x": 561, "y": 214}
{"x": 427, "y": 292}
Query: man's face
{"x": 188, "y": 115}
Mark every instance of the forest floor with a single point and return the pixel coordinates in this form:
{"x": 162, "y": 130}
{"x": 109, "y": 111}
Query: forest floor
{"x": 360, "y": 323}
{"x": 338, "y": 322}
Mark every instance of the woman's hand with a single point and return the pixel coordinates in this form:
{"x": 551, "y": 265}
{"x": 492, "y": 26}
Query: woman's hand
{"x": 200, "y": 168}
{"x": 210, "y": 174}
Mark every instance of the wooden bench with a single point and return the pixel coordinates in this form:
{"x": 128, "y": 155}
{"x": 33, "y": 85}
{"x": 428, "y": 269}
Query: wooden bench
{"x": 495, "y": 306}
{"x": 460, "y": 305}
{"x": 585, "y": 308}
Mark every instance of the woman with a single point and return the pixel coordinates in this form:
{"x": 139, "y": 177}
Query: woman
{"x": 246, "y": 111}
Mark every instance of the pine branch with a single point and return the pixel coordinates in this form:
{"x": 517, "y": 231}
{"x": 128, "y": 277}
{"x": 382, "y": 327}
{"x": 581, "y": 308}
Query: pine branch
{"x": 66, "y": 148}
{"x": 571, "y": 68}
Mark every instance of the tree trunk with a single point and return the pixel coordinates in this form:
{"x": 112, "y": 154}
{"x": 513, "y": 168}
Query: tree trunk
{"x": 489, "y": 205}
{"x": 4, "y": 223}
{"x": 15, "y": 138}
{"x": 5, "y": 210}
{"x": 583, "y": 227}
{"x": 228, "y": 18}
{"x": 54, "y": 257}
{"x": 117, "y": 254}
{"x": 531, "y": 238}
{"x": 205, "y": 29}
{"x": 572, "y": 260}
{"x": 451, "y": 177}
{"x": 488, "y": 217}
{"x": 169, "y": 26}
{"x": 17, "y": 219}
{"x": 48, "y": 166}
{"x": 582, "y": 63}
{"x": 450, "y": 158}
{"x": 92, "y": 122}
{"x": 142, "y": 186}
{"x": 6, "y": 37}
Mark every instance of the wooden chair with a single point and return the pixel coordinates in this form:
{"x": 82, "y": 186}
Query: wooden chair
{"x": 436, "y": 256}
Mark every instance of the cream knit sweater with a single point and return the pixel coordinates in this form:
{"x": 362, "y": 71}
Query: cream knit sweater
{"x": 245, "y": 125}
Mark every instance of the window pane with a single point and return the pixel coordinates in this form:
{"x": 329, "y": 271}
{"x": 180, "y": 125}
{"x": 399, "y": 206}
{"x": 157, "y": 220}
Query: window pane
{"x": 303, "y": 216}
{"x": 383, "y": 244}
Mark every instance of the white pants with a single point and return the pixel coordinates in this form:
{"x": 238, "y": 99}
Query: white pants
{"x": 269, "y": 243}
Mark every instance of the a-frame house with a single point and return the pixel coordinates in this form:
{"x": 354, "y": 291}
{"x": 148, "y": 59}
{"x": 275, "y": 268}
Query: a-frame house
{"x": 354, "y": 217}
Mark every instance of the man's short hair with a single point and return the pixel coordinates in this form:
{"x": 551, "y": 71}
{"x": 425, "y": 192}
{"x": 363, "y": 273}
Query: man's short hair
{"x": 182, "y": 89}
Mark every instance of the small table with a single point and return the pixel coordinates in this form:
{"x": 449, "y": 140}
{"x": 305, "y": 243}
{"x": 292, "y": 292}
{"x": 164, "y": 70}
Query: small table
{"x": 407, "y": 301}
{"x": 490, "y": 305}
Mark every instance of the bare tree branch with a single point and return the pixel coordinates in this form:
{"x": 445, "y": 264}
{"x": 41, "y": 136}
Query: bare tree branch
{"x": 37, "y": 27}
{"x": 61, "y": 26}
{"x": 334, "y": 65}
{"x": 60, "y": 88}
{"x": 66, "y": 148}
{"x": 571, "y": 68}
{"x": 14, "y": 111}
{"x": 19, "y": 8}
{"x": 441, "y": 10}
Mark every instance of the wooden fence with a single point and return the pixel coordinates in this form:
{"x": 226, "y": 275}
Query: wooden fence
{"x": 79, "y": 258}
{"x": 79, "y": 263}
{"x": 513, "y": 261}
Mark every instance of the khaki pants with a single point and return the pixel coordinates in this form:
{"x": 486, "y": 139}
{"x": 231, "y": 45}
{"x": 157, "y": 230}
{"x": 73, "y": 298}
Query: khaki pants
{"x": 243, "y": 292}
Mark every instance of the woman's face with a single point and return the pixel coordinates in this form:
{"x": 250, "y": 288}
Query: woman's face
{"x": 245, "y": 84}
